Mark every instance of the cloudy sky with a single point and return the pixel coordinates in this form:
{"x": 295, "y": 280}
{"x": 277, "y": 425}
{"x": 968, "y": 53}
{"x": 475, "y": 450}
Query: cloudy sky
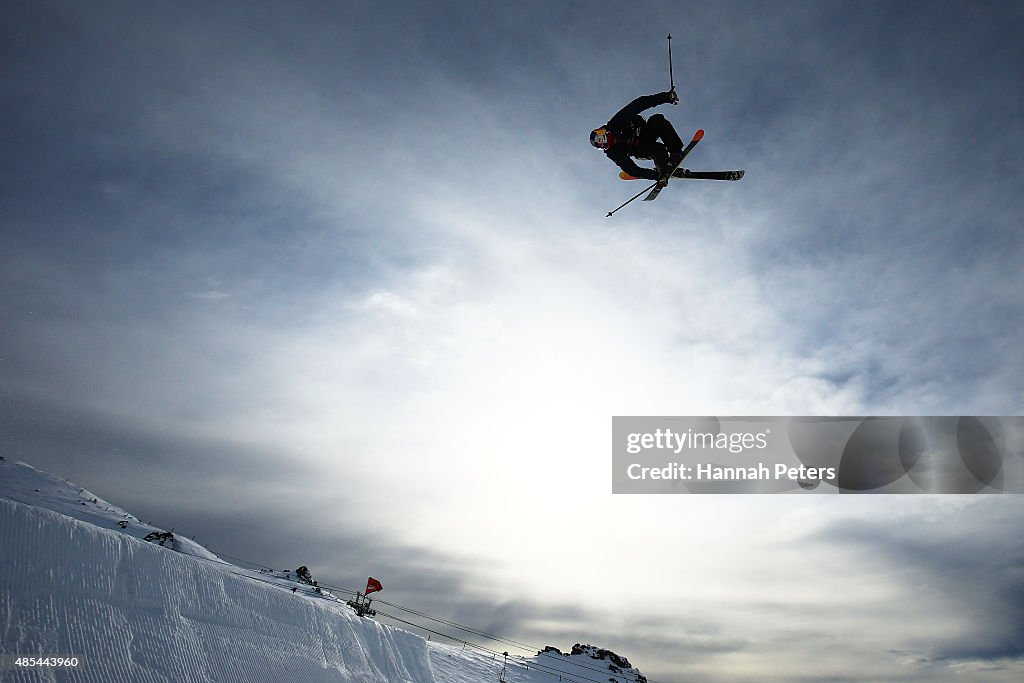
{"x": 331, "y": 283}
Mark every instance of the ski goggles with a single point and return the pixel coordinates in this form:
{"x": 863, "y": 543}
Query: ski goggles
{"x": 600, "y": 138}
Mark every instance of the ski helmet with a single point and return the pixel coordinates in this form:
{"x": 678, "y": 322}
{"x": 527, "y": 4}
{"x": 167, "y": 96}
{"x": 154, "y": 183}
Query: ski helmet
{"x": 601, "y": 138}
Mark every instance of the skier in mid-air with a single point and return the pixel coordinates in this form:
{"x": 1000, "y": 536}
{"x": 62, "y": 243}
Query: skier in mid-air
{"x": 627, "y": 134}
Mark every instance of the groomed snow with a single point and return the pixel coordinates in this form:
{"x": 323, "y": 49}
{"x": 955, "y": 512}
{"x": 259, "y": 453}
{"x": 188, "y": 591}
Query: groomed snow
{"x": 77, "y": 578}
{"x": 139, "y": 612}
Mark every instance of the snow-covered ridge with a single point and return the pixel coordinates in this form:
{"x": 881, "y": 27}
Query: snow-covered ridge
{"x": 80, "y": 576}
{"x": 25, "y": 484}
{"x": 584, "y": 664}
{"x": 136, "y": 611}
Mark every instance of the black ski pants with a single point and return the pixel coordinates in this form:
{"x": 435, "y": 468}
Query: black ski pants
{"x": 647, "y": 145}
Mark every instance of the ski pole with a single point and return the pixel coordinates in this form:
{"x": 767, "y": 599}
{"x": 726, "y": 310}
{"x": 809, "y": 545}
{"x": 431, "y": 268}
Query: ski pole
{"x": 671, "y": 77}
{"x": 629, "y": 200}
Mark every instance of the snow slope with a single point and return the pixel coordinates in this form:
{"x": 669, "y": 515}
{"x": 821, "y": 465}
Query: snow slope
{"x": 140, "y": 612}
{"x": 78, "y": 578}
{"x": 585, "y": 664}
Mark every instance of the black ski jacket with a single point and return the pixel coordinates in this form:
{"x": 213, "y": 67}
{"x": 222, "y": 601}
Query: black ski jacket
{"x": 625, "y": 126}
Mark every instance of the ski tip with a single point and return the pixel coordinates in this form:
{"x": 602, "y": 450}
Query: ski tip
{"x": 626, "y": 176}
{"x": 698, "y": 135}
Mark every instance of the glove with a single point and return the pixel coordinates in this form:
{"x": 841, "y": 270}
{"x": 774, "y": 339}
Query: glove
{"x": 673, "y": 97}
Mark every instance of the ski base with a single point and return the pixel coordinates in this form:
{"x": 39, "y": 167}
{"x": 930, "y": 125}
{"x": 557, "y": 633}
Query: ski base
{"x": 709, "y": 175}
{"x": 653, "y": 194}
{"x": 695, "y": 175}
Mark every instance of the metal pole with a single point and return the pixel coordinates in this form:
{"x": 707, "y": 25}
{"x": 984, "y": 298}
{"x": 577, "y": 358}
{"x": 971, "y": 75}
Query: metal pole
{"x": 671, "y": 76}
{"x": 629, "y": 200}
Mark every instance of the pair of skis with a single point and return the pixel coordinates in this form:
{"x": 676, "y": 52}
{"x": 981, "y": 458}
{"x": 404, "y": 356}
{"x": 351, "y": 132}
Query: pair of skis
{"x": 675, "y": 172}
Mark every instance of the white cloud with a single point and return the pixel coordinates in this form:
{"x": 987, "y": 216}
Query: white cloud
{"x": 420, "y": 298}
